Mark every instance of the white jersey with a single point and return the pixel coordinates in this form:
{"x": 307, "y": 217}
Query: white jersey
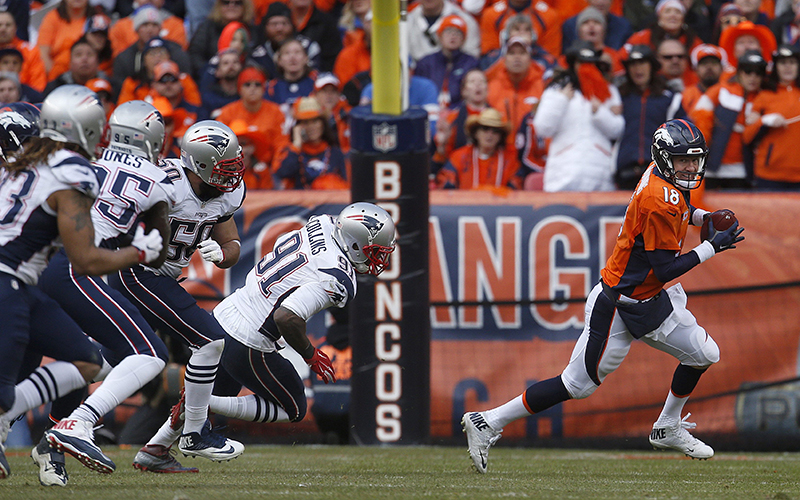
{"x": 306, "y": 272}
{"x": 28, "y": 225}
{"x": 129, "y": 186}
{"x": 191, "y": 219}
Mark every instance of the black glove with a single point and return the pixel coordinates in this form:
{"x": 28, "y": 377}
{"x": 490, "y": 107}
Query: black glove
{"x": 724, "y": 240}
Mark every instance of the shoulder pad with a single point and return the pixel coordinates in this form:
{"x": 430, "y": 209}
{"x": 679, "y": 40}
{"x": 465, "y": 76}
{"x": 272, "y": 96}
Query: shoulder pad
{"x": 343, "y": 286}
{"x": 76, "y": 172}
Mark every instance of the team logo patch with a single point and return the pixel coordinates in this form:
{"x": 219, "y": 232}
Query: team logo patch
{"x": 384, "y": 137}
{"x": 663, "y": 134}
{"x": 218, "y": 142}
{"x": 372, "y": 224}
{"x": 13, "y": 118}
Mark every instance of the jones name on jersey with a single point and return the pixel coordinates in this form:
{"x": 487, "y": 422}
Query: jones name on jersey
{"x": 306, "y": 272}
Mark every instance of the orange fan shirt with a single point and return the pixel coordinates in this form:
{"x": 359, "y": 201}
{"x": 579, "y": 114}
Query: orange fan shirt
{"x": 657, "y": 218}
{"x": 59, "y": 35}
{"x": 269, "y": 121}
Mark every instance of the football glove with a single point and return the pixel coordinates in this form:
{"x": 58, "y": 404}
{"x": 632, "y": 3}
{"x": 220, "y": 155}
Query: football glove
{"x": 321, "y": 364}
{"x": 210, "y": 251}
{"x": 724, "y": 240}
{"x": 149, "y": 245}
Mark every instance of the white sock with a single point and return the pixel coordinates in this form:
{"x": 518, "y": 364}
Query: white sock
{"x": 45, "y": 384}
{"x": 199, "y": 382}
{"x": 250, "y": 408}
{"x": 122, "y": 382}
{"x": 165, "y": 436}
{"x": 673, "y": 407}
{"x": 499, "y": 417}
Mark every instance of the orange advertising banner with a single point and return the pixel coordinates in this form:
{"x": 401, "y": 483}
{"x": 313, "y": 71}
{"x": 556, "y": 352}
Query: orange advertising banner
{"x": 507, "y": 275}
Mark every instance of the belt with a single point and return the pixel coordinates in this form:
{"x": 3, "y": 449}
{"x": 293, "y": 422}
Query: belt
{"x": 615, "y": 296}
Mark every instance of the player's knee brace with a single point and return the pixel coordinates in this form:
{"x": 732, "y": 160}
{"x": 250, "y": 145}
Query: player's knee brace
{"x": 710, "y": 352}
{"x": 579, "y": 389}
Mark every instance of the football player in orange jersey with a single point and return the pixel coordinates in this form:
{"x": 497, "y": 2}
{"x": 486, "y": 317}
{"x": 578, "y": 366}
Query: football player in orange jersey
{"x": 630, "y": 302}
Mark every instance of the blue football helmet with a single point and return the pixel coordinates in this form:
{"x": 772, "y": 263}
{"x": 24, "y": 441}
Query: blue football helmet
{"x": 19, "y": 121}
{"x": 677, "y": 138}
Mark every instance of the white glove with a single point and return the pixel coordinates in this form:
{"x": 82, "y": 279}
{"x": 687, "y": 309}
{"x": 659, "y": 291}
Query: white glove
{"x": 210, "y": 251}
{"x": 149, "y": 245}
{"x": 773, "y": 120}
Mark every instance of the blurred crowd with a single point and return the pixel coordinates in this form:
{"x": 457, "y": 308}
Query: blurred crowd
{"x": 553, "y": 95}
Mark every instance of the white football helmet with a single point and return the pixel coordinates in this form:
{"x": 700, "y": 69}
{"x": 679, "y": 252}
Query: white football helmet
{"x": 211, "y": 150}
{"x": 365, "y": 232}
{"x": 137, "y": 127}
{"x": 73, "y": 114}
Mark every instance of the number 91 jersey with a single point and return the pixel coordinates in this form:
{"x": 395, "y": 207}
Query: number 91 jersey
{"x": 657, "y": 218}
{"x": 191, "y": 220}
{"x": 306, "y": 272}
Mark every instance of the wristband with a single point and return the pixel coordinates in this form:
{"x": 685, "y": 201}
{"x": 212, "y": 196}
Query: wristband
{"x": 142, "y": 256}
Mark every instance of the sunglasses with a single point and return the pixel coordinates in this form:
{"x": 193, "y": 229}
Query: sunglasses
{"x": 672, "y": 56}
{"x": 232, "y": 2}
{"x": 168, "y": 79}
{"x": 254, "y": 83}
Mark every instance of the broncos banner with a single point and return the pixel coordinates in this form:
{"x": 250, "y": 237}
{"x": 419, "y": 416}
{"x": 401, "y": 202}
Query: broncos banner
{"x": 507, "y": 278}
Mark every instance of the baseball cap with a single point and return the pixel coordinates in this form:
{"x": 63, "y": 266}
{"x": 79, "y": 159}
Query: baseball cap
{"x": 146, "y": 14}
{"x": 752, "y": 59}
{"x": 166, "y": 68}
{"x": 326, "y": 79}
{"x": 452, "y": 21}
{"x": 517, "y": 40}
{"x": 97, "y": 22}
{"x": 99, "y": 85}
{"x": 707, "y": 50}
{"x": 154, "y": 43}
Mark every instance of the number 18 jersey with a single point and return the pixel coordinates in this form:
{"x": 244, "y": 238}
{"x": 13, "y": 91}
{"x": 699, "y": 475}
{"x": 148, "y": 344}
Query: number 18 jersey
{"x": 306, "y": 272}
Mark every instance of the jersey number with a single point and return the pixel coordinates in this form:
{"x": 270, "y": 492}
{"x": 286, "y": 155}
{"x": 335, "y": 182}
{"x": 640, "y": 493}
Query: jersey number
{"x": 280, "y": 263}
{"x": 671, "y": 195}
{"x": 185, "y": 235}
{"x": 122, "y": 186}
{"x": 19, "y": 196}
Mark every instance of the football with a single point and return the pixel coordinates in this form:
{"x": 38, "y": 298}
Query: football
{"x": 723, "y": 219}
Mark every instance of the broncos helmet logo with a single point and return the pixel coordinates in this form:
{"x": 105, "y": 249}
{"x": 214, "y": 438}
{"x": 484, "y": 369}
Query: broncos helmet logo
{"x": 9, "y": 117}
{"x": 663, "y": 134}
{"x": 372, "y": 224}
{"x": 217, "y": 141}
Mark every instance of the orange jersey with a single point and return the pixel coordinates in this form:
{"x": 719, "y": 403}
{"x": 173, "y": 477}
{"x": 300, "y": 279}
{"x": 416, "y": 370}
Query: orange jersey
{"x": 775, "y": 153}
{"x": 514, "y": 101}
{"x": 467, "y": 170}
{"x": 268, "y": 119}
{"x": 354, "y": 58}
{"x": 657, "y": 218}
{"x": 59, "y": 35}
{"x": 546, "y": 23}
{"x": 134, "y": 89}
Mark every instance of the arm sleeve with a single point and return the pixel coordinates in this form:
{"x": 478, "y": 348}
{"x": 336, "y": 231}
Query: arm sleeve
{"x": 552, "y": 108}
{"x": 667, "y": 267}
{"x": 606, "y": 121}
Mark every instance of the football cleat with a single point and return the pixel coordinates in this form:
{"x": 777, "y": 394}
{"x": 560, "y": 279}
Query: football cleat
{"x": 5, "y": 469}
{"x": 178, "y": 413}
{"x": 208, "y": 444}
{"x": 157, "y": 458}
{"x": 76, "y": 437}
{"x": 52, "y": 471}
{"x": 676, "y": 437}
{"x": 480, "y": 437}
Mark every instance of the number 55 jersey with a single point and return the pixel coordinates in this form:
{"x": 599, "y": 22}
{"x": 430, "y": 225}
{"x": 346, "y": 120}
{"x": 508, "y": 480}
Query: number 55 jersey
{"x": 306, "y": 272}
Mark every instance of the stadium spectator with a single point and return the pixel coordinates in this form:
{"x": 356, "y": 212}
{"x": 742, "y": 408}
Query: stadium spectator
{"x": 646, "y": 104}
{"x": 515, "y": 88}
{"x": 675, "y": 67}
{"x": 698, "y": 18}
{"x": 591, "y": 27}
{"x": 197, "y": 12}
{"x": 234, "y": 37}
{"x": 295, "y": 77}
{"x": 720, "y": 114}
{"x": 11, "y": 61}
{"x": 32, "y": 72}
{"x": 123, "y": 33}
{"x": 786, "y": 26}
{"x": 312, "y": 160}
{"x": 256, "y": 111}
{"x": 335, "y": 107}
{"x": 21, "y": 12}
{"x": 669, "y": 25}
{"x": 319, "y": 27}
{"x": 179, "y": 115}
{"x": 447, "y": 66}
{"x": 630, "y": 303}
{"x": 356, "y": 56}
{"x": 97, "y": 35}
{"x": 519, "y": 25}
{"x": 205, "y": 40}
{"x": 744, "y": 36}
{"x": 582, "y": 114}
{"x": 708, "y": 62}
{"x": 257, "y": 173}
{"x": 424, "y": 23}
{"x": 546, "y": 22}
{"x": 451, "y": 132}
{"x": 617, "y": 28}
{"x": 224, "y": 89}
{"x": 138, "y": 86}
{"x": 488, "y": 162}
{"x": 773, "y": 128}
{"x": 129, "y": 62}
{"x": 10, "y": 88}
{"x": 531, "y": 152}
{"x": 84, "y": 65}
{"x": 276, "y": 27}
{"x": 352, "y": 18}
{"x": 60, "y": 29}
{"x": 751, "y": 10}
{"x": 104, "y": 92}
{"x": 728, "y": 15}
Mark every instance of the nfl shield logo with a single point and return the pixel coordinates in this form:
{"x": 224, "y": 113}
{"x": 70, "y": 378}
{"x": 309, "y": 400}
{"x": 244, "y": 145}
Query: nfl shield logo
{"x": 384, "y": 137}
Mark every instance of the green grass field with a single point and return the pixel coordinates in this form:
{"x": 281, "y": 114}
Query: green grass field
{"x": 355, "y": 473}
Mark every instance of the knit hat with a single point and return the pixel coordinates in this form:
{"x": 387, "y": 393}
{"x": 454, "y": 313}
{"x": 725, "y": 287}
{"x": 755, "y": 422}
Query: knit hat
{"x": 663, "y": 4}
{"x": 146, "y": 14}
{"x": 277, "y": 9}
{"x": 591, "y": 14}
{"x": 452, "y": 21}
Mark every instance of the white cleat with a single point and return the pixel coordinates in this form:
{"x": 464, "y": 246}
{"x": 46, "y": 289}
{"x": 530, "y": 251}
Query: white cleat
{"x": 676, "y": 437}
{"x": 480, "y": 437}
{"x": 52, "y": 471}
{"x": 5, "y": 469}
{"x": 208, "y": 444}
{"x": 76, "y": 437}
